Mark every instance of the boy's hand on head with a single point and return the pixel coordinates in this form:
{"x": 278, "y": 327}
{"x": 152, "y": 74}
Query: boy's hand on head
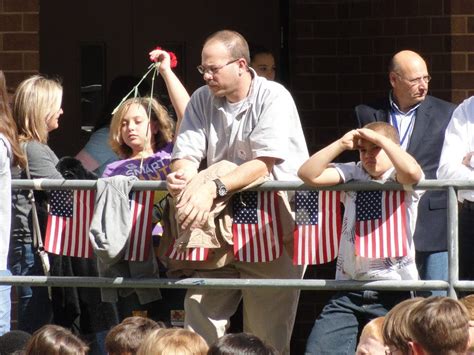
{"x": 371, "y": 136}
{"x": 350, "y": 141}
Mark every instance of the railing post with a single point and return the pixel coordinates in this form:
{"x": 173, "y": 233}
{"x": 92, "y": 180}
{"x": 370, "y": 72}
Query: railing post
{"x": 453, "y": 245}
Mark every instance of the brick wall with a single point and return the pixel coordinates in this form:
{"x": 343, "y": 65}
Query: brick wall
{"x": 340, "y": 52}
{"x": 342, "y": 48}
{"x": 19, "y": 40}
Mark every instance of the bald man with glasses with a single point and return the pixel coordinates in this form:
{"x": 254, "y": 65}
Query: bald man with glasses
{"x": 251, "y": 122}
{"x": 421, "y": 121}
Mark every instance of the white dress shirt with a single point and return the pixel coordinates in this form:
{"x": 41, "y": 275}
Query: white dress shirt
{"x": 458, "y": 141}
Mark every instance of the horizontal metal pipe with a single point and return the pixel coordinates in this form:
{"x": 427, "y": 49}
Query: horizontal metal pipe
{"x": 57, "y": 184}
{"x": 120, "y": 282}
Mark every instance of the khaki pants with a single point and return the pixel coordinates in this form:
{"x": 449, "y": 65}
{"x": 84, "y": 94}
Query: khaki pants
{"x": 268, "y": 313}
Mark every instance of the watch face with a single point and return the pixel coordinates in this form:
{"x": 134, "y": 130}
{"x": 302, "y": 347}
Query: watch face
{"x": 222, "y": 191}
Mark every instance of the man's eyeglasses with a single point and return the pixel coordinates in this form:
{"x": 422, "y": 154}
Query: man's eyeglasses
{"x": 213, "y": 70}
{"x": 426, "y": 79}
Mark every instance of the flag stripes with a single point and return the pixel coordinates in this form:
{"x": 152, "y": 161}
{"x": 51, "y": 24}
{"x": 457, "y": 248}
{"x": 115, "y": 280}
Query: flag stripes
{"x": 381, "y": 224}
{"x": 67, "y": 231}
{"x": 318, "y": 227}
{"x": 139, "y": 242}
{"x": 256, "y": 229}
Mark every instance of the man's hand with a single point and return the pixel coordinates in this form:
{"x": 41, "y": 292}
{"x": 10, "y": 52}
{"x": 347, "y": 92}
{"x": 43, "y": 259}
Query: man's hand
{"x": 176, "y": 182}
{"x": 194, "y": 206}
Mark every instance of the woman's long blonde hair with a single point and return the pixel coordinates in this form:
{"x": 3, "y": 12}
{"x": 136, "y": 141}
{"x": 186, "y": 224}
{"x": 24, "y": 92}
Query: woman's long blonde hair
{"x": 36, "y": 99}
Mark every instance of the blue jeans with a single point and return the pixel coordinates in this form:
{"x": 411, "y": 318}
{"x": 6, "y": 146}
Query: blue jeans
{"x": 5, "y": 304}
{"x": 34, "y": 305}
{"x": 432, "y": 266}
{"x": 336, "y": 330}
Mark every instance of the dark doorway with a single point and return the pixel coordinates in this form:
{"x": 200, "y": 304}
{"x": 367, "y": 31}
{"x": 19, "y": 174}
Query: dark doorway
{"x": 120, "y": 33}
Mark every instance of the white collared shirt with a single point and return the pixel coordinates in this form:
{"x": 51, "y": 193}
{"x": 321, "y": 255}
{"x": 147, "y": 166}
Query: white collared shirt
{"x": 458, "y": 141}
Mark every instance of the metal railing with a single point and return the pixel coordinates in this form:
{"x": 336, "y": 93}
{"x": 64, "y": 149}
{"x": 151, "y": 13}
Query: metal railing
{"x": 452, "y": 285}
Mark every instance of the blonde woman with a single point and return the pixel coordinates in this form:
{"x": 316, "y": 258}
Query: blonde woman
{"x": 36, "y": 111}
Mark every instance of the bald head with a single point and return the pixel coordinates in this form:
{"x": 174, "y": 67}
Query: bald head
{"x": 409, "y": 79}
{"x": 403, "y": 59}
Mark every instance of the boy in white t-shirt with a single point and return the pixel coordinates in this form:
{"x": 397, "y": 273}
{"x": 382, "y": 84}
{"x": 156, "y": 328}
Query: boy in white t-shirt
{"x": 382, "y": 159}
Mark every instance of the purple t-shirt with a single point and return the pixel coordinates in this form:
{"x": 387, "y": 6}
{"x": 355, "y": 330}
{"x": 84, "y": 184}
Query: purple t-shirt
{"x": 155, "y": 167}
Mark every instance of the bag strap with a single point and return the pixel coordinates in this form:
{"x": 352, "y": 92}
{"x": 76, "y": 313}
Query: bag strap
{"x": 37, "y": 239}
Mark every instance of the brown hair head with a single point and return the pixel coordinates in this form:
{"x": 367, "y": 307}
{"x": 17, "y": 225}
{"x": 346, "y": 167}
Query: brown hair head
{"x": 129, "y": 335}
{"x": 395, "y": 328}
{"x": 233, "y": 41}
{"x": 55, "y": 340}
{"x": 440, "y": 325}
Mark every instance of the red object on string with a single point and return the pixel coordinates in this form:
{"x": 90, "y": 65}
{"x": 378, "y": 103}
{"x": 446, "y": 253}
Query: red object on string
{"x": 173, "y": 58}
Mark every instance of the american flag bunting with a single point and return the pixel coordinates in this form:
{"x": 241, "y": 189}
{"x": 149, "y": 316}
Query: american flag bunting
{"x": 318, "y": 227}
{"x": 381, "y": 224}
{"x": 141, "y": 206}
{"x": 256, "y": 228}
{"x": 189, "y": 254}
{"x": 69, "y": 218}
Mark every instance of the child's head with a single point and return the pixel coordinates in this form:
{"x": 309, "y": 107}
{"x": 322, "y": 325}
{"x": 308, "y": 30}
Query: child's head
{"x": 125, "y": 338}
{"x": 468, "y": 302}
{"x": 374, "y": 160}
{"x": 55, "y": 340}
{"x": 173, "y": 341}
{"x": 129, "y": 132}
{"x": 240, "y": 343}
{"x": 395, "y": 328}
{"x": 439, "y": 325}
{"x": 371, "y": 339}
{"x": 37, "y": 107}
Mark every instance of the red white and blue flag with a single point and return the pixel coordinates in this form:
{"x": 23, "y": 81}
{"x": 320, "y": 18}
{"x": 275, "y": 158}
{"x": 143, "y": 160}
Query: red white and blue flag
{"x": 69, "y": 218}
{"x": 140, "y": 240}
{"x": 256, "y": 228}
{"x": 188, "y": 254}
{"x": 381, "y": 224}
{"x": 70, "y": 215}
{"x": 318, "y": 227}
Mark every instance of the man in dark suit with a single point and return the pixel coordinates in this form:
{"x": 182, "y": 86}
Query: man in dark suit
{"x": 421, "y": 121}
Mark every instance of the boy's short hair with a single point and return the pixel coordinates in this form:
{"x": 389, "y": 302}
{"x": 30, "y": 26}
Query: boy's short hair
{"x": 384, "y": 129}
{"x": 395, "y": 328}
{"x": 440, "y": 325}
{"x": 127, "y": 336}
{"x": 468, "y": 302}
{"x": 173, "y": 341}
{"x": 374, "y": 329}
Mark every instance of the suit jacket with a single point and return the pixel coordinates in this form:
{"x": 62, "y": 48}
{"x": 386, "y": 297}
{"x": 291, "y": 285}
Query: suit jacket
{"x": 426, "y": 142}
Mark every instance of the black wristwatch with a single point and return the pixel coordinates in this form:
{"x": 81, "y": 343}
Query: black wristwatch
{"x": 220, "y": 188}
